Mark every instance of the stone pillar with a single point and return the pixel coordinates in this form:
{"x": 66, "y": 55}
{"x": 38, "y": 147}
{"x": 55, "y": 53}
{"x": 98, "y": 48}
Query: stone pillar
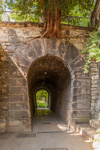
{"x": 98, "y": 101}
{"x": 18, "y": 112}
{"x": 3, "y": 90}
{"x": 94, "y": 89}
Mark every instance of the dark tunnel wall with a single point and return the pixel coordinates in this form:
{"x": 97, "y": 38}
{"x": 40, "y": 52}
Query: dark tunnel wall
{"x": 50, "y": 73}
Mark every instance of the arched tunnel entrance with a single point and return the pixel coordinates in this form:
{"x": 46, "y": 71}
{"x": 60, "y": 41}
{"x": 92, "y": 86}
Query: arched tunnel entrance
{"x": 50, "y": 73}
{"x": 42, "y": 98}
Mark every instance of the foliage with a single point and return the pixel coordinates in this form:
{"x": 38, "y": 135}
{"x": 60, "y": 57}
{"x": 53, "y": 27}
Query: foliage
{"x": 2, "y": 5}
{"x": 32, "y": 10}
{"x": 92, "y": 48}
{"x": 41, "y": 105}
{"x": 96, "y": 140}
{"x": 19, "y": 17}
{"x": 42, "y": 98}
{"x": 0, "y": 18}
{"x": 79, "y": 17}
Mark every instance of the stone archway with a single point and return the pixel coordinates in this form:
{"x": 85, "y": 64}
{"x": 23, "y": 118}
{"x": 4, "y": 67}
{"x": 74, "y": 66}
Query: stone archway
{"x": 22, "y": 59}
{"x": 57, "y": 80}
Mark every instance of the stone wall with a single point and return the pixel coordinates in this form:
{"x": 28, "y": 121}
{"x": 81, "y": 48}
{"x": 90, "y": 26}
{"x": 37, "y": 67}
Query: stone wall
{"x": 95, "y": 90}
{"x": 18, "y": 112}
{"x": 23, "y": 44}
{"x": 4, "y": 71}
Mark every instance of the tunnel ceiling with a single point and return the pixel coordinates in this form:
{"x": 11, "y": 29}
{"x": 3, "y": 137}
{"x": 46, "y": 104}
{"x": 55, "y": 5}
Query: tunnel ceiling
{"x": 47, "y": 70}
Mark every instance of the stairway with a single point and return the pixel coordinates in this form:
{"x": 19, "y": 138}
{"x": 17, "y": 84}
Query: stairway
{"x": 90, "y": 132}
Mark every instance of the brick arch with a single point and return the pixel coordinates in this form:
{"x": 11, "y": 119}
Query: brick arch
{"x": 25, "y": 54}
{"x": 20, "y": 61}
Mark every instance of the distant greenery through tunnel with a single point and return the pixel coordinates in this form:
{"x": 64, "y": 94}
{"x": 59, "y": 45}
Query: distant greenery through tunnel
{"x": 42, "y": 99}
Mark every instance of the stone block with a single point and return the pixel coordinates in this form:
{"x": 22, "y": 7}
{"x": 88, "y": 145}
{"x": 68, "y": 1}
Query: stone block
{"x": 81, "y": 91}
{"x": 51, "y": 46}
{"x": 36, "y": 44}
{"x": 14, "y": 123}
{"x": 61, "y": 48}
{"x": 18, "y": 98}
{"x": 17, "y": 90}
{"x": 3, "y": 127}
{"x": 71, "y": 53}
{"x": 18, "y": 106}
{"x": 17, "y": 82}
{"x": 81, "y": 83}
{"x": 30, "y": 52}
{"x": 81, "y": 98}
{"x": 18, "y": 114}
{"x": 93, "y": 66}
{"x": 94, "y": 77}
{"x": 81, "y": 114}
{"x": 82, "y": 120}
{"x": 80, "y": 75}
{"x": 81, "y": 106}
{"x": 78, "y": 62}
{"x": 95, "y": 123}
{"x": 3, "y": 113}
{"x": 14, "y": 72}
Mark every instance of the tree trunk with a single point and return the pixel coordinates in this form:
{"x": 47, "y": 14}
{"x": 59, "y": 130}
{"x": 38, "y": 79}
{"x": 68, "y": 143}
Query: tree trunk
{"x": 52, "y": 27}
{"x": 95, "y": 17}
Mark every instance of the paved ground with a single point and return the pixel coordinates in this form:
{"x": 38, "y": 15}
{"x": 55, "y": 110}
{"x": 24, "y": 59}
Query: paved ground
{"x": 49, "y": 133}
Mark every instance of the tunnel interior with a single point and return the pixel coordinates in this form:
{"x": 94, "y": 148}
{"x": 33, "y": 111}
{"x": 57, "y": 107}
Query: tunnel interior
{"x": 50, "y": 73}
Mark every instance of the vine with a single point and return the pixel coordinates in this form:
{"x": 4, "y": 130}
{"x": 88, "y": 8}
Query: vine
{"x": 92, "y": 49}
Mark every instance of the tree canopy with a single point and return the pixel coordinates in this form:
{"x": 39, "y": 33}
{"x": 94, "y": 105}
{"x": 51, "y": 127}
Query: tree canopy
{"x": 37, "y": 7}
{"x": 52, "y": 12}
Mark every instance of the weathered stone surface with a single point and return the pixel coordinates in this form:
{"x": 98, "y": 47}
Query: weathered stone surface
{"x": 18, "y": 106}
{"x": 17, "y": 90}
{"x": 81, "y": 98}
{"x": 81, "y": 91}
{"x": 71, "y": 53}
{"x": 78, "y": 62}
{"x": 61, "y": 48}
{"x": 3, "y": 89}
{"x": 81, "y": 83}
{"x": 74, "y": 93}
{"x": 81, "y": 106}
{"x": 50, "y": 46}
{"x": 18, "y": 114}
{"x": 18, "y": 98}
{"x": 17, "y": 82}
{"x": 81, "y": 114}
{"x": 14, "y": 72}
{"x": 37, "y": 47}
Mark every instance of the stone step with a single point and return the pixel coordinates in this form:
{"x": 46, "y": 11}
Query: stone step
{"x": 86, "y": 131}
{"x": 97, "y": 115}
{"x": 95, "y": 123}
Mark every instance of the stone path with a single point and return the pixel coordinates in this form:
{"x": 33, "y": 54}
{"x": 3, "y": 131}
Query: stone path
{"x": 49, "y": 133}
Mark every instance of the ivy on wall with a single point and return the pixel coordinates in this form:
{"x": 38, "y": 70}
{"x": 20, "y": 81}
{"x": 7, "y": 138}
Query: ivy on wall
{"x": 92, "y": 49}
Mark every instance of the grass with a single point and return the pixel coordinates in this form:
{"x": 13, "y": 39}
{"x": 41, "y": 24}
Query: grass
{"x": 41, "y": 104}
